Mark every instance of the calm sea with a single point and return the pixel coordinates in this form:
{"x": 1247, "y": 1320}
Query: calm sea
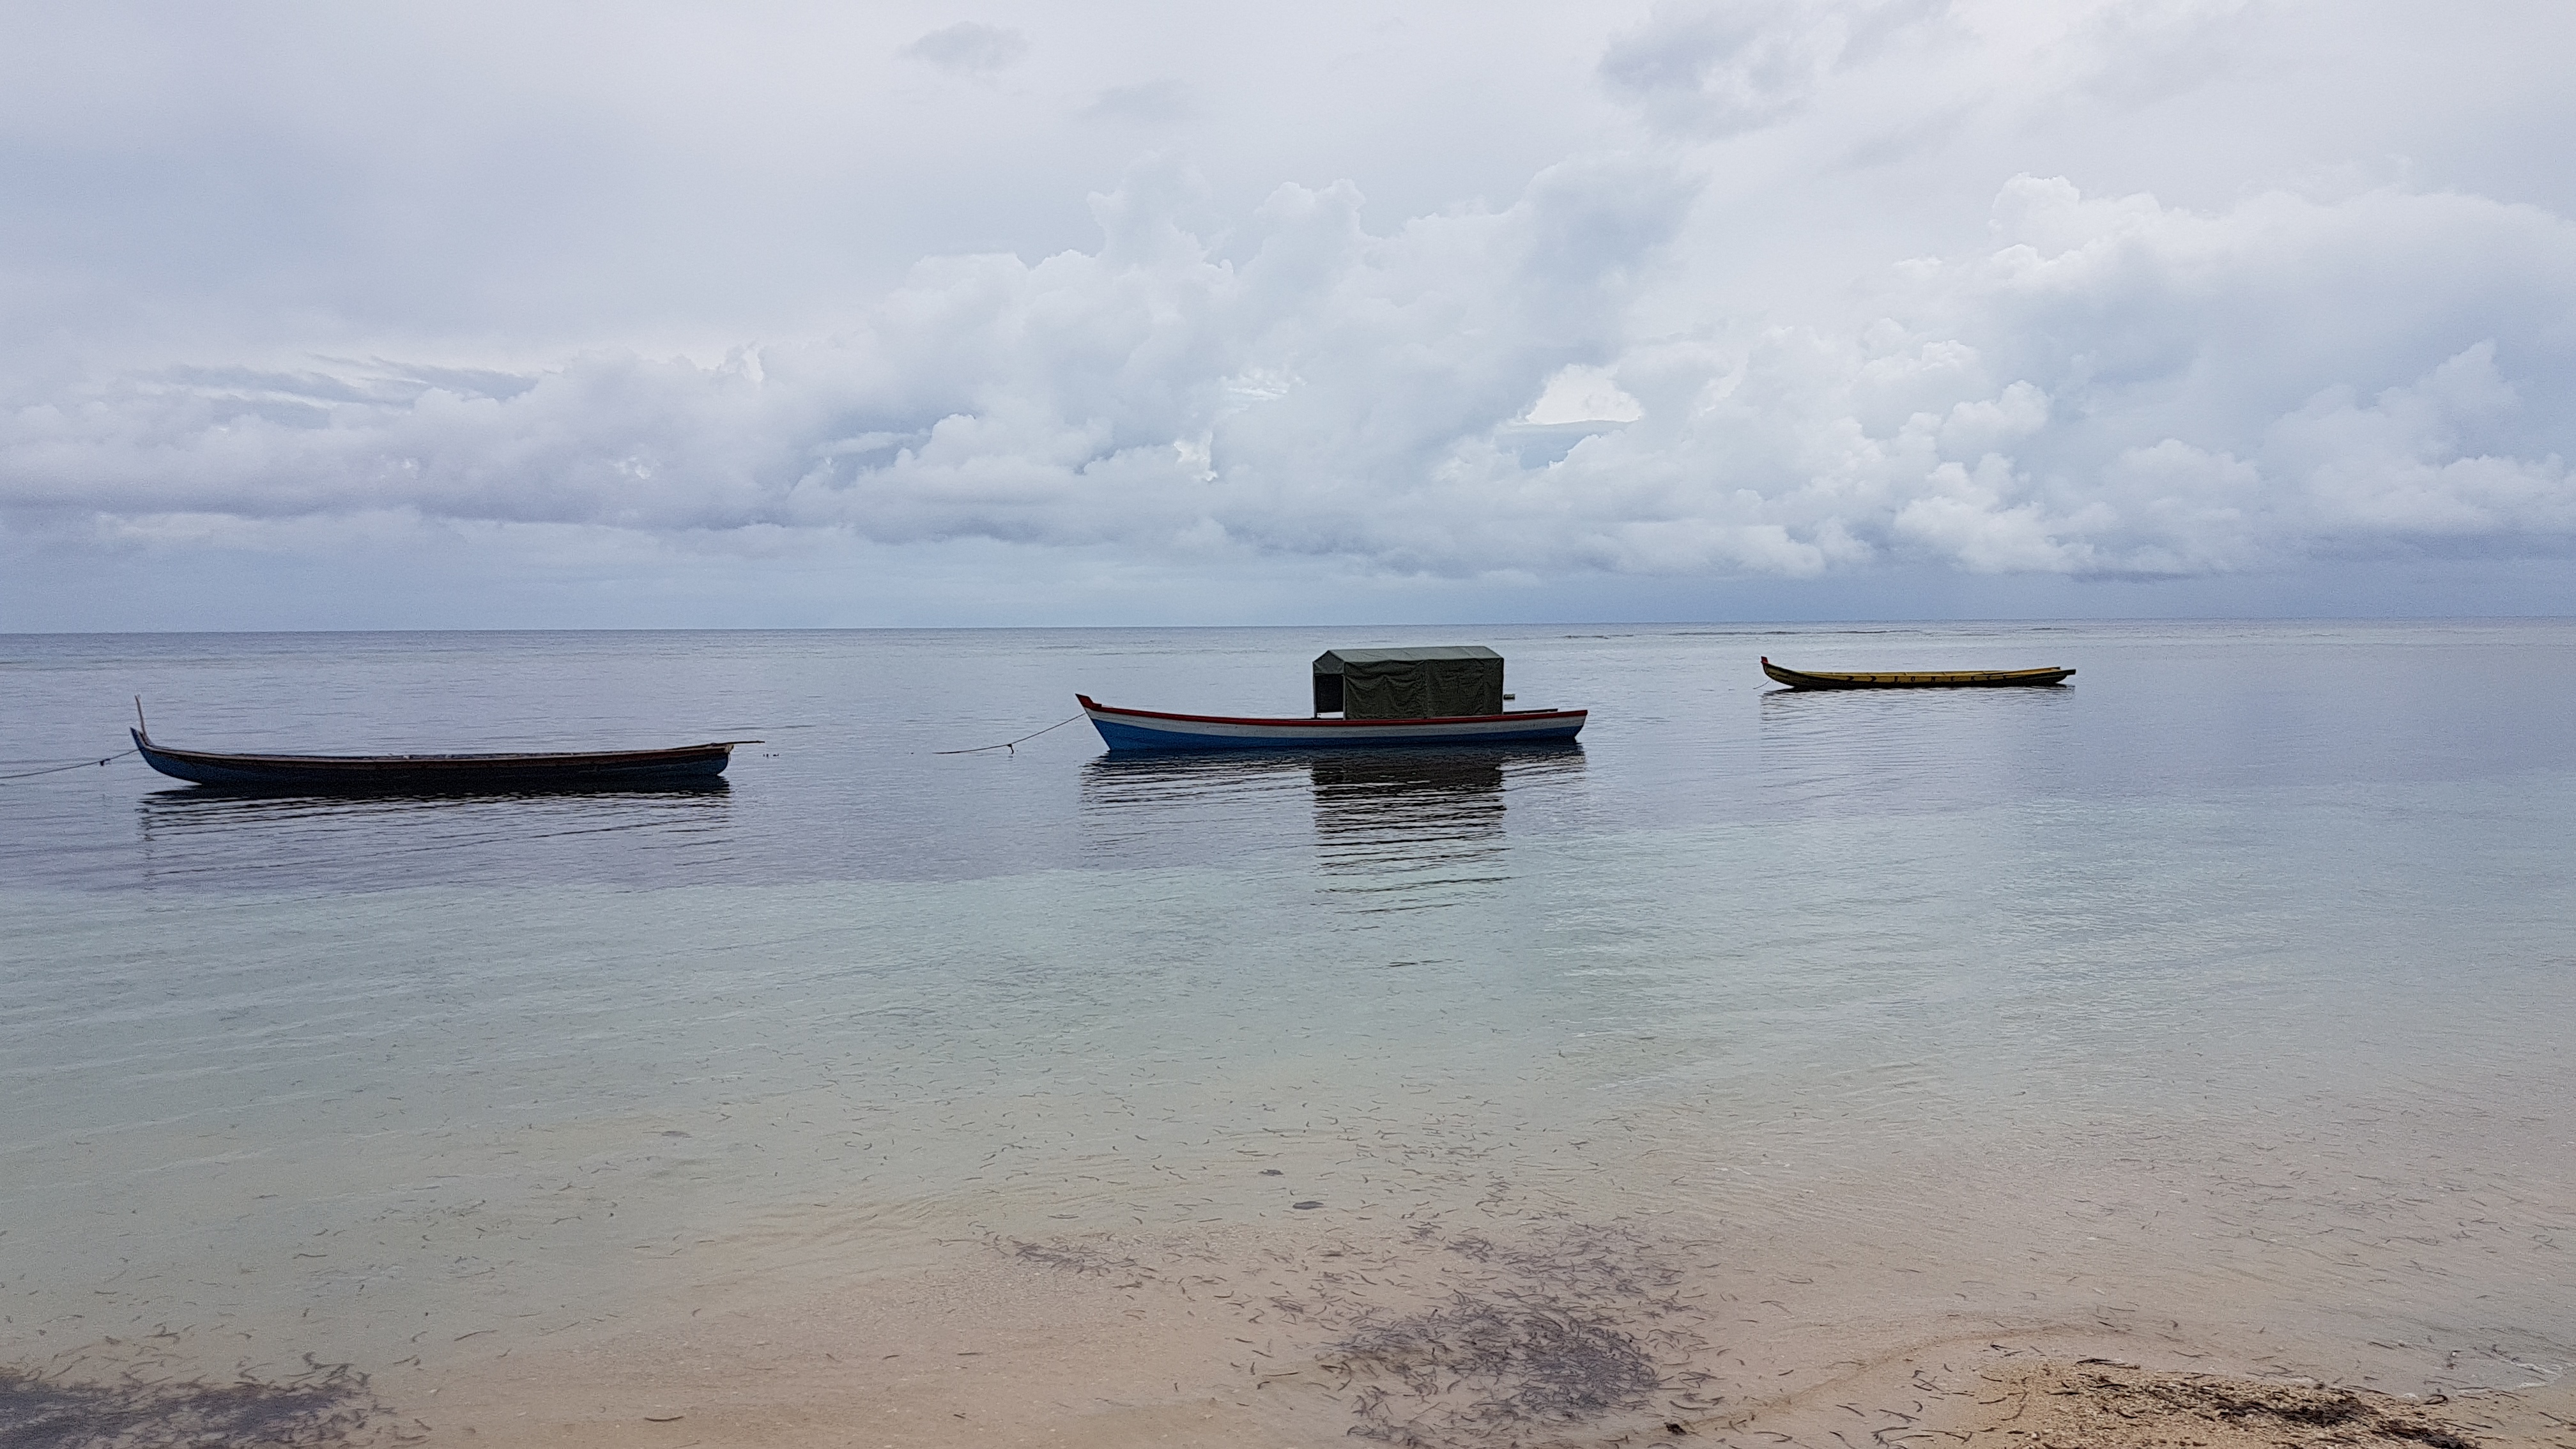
{"x": 2224, "y": 993}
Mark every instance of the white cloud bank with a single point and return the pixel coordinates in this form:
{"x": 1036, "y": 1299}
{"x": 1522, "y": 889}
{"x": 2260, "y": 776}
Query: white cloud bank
{"x": 2101, "y": 387}
{"x": 2113, "y": 387}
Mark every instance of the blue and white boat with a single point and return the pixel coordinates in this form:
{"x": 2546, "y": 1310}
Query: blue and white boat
{"x": 1146, "y": 729}
{"x": 1450, "y": 695}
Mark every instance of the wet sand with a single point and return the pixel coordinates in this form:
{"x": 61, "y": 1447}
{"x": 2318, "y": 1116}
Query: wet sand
{"x": 1516, "y": 1334}
{"x": 1454, "y": 1378}
{"x": 1918, "y": 1295}
{"x": 1569, "y": 1336}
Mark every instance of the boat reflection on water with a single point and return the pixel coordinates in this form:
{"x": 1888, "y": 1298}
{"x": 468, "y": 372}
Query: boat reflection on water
{"x": 1378, "y": 805}
{"x": 1189, "y": 807}
{"x": 226, "y": 797}
{"x": 1838, "y": 753}
{"x": 381, "y": 840}
{"x": 1391, "y": 829}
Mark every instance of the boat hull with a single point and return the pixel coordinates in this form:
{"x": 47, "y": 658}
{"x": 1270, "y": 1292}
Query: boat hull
{"x": 1138, "y": 729}
{"x": 1920, "y": 679}
{"x": 623, "y": 769}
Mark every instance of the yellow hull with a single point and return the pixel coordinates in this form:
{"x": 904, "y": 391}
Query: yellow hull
{"x": 1933, "y": 679}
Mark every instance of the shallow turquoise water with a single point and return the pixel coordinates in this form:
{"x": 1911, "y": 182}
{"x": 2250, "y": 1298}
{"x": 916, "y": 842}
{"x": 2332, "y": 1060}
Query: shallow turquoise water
{"x": 2231, "y": 981}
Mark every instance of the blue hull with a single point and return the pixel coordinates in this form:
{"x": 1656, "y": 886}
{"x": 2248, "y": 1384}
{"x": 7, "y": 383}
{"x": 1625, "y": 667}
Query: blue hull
{"x": 1135, "y": 729}
{"x": 1128, "y": 737}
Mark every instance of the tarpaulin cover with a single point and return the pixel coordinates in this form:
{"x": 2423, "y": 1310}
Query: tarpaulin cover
{"x": 1449, "y": 680}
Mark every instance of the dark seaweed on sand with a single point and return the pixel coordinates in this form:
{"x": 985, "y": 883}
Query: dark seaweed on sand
{"x": 1070, "y": 1257}
{"x": 328, "y": 1406}
{"x": 1588, "y": 1261}
{"x": 1524, "y": 1336}
{"x": 1483, "y": 1367}
{"x": 1556, "y": 1330}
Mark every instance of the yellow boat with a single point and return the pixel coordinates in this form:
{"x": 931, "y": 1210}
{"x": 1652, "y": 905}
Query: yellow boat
{"x": 1933, "y": 679}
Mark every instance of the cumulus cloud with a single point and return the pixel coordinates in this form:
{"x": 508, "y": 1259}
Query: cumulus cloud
{"x": 2110, "y": 388}
{"x": 1145, "y": 392}
{"x": 1582, "y": 394}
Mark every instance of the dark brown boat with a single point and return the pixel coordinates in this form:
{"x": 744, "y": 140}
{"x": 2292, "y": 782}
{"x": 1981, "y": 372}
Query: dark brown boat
{"x": 622, "y": 769}
{"x": 1921, "y": 679}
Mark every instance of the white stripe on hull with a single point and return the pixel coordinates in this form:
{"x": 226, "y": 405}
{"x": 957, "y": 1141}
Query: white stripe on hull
{"x": 1122, "y": 729}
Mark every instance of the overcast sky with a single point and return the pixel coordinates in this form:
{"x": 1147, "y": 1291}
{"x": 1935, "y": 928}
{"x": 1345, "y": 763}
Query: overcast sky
{"x": 329, "y": 315}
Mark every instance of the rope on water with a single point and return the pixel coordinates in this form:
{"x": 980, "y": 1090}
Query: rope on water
{"x": 74, "y": 765}
{"x": 1011, "y": 745}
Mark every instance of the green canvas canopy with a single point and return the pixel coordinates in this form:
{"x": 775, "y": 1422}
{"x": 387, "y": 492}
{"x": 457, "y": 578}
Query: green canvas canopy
{"x": 1446, "y": 680}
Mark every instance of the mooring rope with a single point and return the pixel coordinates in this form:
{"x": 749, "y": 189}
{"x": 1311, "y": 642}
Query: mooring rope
{"x": 74, "y": 765}
{"x": 1011, "y": 745}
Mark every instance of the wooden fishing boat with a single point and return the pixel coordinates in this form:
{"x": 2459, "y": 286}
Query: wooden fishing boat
{"x": 622, "y": 769}
{"x": 1145, "y": 729}
{"x": 1924, "y": 679}
{"x": 1443, "y": 694}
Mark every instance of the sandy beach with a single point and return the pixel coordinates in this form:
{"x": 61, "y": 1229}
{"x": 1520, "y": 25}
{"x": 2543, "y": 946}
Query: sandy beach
{"x": 1446, "y": 1339}
{"x": 1531, "y": 1336}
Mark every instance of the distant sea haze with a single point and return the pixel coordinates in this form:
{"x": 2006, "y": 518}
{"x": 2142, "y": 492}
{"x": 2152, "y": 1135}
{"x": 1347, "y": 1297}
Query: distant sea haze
{"x": 2210, "y": 1008}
